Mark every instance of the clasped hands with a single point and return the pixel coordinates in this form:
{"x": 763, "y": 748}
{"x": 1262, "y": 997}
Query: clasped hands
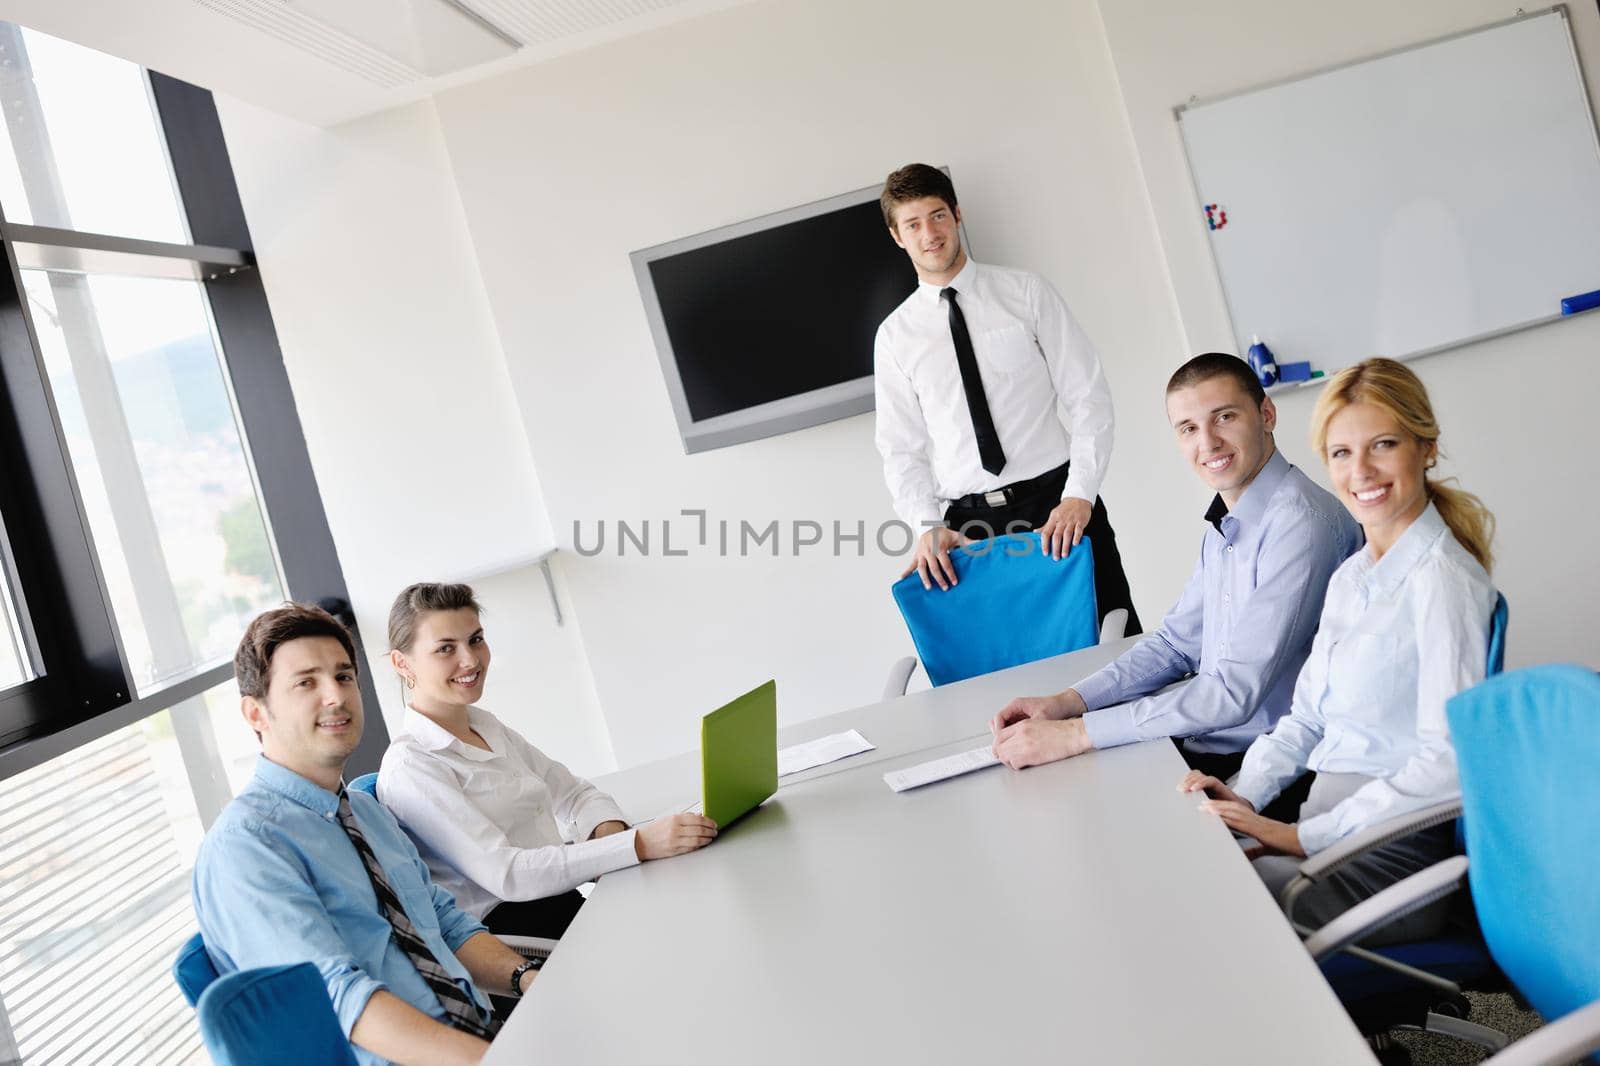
{"x": 1032, "y": 730}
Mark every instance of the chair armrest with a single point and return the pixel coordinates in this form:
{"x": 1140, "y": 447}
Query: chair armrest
{"x": 1114, "y": 626}
{"x": 1564, "y": 1040}
{"x": 1396, "y": 901}
{"x": 899, "y": 677}
{"x": 1328, "y": 860}
{"x": 529, "y": 947}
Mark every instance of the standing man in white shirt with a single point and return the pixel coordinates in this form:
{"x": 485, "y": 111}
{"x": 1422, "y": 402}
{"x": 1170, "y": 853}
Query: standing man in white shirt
{"x": 993, "y": 412}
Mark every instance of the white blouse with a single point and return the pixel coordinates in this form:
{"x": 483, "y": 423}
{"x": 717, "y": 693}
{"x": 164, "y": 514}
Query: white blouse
{"x": 1398, "y": 637}
{"x": 494, "y": 825}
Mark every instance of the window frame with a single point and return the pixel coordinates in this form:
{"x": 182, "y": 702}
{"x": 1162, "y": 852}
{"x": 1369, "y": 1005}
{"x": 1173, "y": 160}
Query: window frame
{"x": 83, "y": 691}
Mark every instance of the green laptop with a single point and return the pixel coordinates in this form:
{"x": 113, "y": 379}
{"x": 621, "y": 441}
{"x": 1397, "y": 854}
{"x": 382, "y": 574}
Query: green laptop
{"x": 739, "y": 754}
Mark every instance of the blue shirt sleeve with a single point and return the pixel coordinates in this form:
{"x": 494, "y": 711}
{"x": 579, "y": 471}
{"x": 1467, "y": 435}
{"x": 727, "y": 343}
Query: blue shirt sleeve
{"x": 256, "y": 907}
{"x": 1275, "y": 622}
{"x": 1160, "y": 658}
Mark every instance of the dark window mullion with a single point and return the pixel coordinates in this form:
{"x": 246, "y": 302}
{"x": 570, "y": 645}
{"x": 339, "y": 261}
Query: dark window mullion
{"x": 249, "y": 344}
{"x": 60, "y": 576}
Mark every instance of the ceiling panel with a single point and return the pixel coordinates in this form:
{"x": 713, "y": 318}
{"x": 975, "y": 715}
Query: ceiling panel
{"x": 328, "y": 61}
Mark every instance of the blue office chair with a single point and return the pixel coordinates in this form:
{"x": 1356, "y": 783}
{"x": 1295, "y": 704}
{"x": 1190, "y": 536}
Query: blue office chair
{"x": 193, "y": 969}
{"x": 1011, "y": 604}
{"x": 272, "y": 1015}
{"x": 1527, "y": 743}
{"x": 367, "y": 783}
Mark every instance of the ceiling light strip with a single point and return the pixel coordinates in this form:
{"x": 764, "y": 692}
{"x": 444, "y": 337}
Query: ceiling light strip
{"x": 295, "y": 28}
{"x": 487, "y": 24}
{"x": 543, "y": 21}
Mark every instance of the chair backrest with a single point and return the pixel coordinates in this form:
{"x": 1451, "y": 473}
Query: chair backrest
{"x": 367, "y": 783}
{"x": 1497, "y": 663}
{"x": 270, "y": 1016}
{"x": 192, "y": 969}
{"x": 1011, "y": 604}
{"x": 1528, "y": 745}
{"x": 1497, "y": 634}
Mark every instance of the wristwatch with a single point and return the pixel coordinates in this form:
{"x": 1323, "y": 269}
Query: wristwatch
{"x": 516, "y": 975}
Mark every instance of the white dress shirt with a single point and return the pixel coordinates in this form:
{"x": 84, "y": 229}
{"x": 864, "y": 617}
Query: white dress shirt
{"x": 1046, "y": 391}
{"x": 486, "y": 822}
{"x": 1399, "y": 636}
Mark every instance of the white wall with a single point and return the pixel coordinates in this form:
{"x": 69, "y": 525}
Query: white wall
{"x": 1515, "y": 411}
{"x": 402, "y": 392}
{"x": 565, "y": 168}
{"x": 1058, "y": 130}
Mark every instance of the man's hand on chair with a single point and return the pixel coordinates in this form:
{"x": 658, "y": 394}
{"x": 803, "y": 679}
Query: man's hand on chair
{"x": 932, "y": 559}
{"x": 1064, "y": 528}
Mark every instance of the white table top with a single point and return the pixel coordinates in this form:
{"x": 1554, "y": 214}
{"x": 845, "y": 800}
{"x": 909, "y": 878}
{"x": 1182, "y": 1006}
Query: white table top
{"x": 1079, "y": 912}
{"x": 909, "y": 723}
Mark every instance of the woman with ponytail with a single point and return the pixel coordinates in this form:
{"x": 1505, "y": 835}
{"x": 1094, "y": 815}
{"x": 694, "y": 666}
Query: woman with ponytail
{"x": 1405, "y": 626}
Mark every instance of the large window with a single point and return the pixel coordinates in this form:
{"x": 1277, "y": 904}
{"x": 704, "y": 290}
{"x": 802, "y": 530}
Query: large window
{"x": 138, "y": 535}
{"x": 143, "y": 402}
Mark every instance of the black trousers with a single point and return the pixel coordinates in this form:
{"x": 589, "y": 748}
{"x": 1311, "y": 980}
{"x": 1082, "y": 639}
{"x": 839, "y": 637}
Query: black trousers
{"x": 1286, "y": 808}
{"x": 548, "y": 917}
{"x": 1030, "y": 512}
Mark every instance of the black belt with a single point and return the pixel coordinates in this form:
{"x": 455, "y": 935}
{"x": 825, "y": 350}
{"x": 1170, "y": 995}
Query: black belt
{"x": 1010, "y": 493}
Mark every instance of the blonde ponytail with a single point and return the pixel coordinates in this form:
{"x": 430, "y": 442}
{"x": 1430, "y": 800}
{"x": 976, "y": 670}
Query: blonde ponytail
{"x": 1392, "y": 386}
{"x": 1470, "y": 521}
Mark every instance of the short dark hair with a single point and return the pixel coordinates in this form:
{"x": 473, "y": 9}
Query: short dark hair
{"x": 270, "y": 630}
{"x": 1218, "y": 365}
{"x": 912, "y": 182}
{"x": 417, "y": 600}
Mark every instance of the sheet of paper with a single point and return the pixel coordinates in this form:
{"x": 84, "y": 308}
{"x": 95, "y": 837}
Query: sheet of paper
{"x": 792, "y": 760}
{"x": 939, "y": 769}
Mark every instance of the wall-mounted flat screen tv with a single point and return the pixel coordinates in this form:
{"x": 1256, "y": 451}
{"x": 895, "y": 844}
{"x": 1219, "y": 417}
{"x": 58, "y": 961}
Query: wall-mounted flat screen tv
{"x": 766, "y": 326}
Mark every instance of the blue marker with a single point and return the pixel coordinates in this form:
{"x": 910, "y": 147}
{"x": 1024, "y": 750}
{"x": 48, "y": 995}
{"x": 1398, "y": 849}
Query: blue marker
{"x": 1584, "y": 302}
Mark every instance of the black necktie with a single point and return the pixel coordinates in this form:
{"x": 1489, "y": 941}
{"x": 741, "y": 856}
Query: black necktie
{"x": 463, "y": 1012}
{"x": 989, "y": 450}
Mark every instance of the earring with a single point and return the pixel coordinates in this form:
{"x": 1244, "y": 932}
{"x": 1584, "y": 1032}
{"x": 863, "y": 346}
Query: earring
{"x": 411, "y": 682}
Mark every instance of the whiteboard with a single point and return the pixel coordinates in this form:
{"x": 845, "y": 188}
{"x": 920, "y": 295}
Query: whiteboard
{"x": 1404, "y": 204}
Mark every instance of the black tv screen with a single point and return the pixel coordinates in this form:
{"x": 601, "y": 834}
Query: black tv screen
{"x": 766, "y": 326}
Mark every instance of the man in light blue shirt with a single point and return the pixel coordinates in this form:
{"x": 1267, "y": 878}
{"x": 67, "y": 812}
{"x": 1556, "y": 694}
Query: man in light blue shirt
{"x": 298, "y": 870}
{"x": 1245, "y": 622}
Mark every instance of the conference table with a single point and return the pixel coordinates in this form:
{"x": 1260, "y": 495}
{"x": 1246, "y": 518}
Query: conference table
{"x": 1083, "y": 911}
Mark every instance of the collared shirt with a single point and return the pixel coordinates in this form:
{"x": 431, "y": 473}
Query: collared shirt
{"x": 278, "y": 881}
{"x": 1243, "y": 625}
{"x": 486, "y": 822}
{"x": 1045, "y": 388}
{"x": 1400, "y": 635}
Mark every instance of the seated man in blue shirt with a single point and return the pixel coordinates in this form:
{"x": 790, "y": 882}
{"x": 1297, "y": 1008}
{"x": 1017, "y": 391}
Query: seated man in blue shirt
{"x": 1244, "y": 623}
{"x": 298, "y": 870}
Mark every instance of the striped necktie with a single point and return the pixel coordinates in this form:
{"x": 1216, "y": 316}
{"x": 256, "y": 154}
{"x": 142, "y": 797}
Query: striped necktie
{"x": 462, "y": 1011}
